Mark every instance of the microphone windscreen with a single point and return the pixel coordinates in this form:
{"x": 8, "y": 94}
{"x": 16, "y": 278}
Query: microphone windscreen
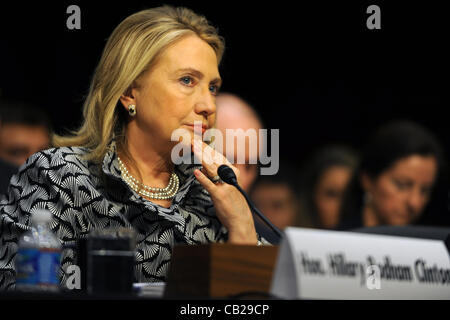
{"x": 227, "y": 174}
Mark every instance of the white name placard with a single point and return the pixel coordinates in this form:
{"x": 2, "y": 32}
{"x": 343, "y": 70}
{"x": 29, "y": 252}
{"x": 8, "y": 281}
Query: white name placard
{"x": 321, "y": 264}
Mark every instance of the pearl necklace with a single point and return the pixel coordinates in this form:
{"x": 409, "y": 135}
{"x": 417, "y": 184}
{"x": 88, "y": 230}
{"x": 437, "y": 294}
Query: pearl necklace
{"x": 151, "y": 192}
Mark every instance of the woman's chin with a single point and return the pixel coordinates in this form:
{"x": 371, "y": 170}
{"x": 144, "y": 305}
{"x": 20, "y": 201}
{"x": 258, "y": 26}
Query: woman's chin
{"x": 399, "y": 220}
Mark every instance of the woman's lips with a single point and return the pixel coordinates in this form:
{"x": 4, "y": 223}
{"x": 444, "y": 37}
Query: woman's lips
{"x": 196, "y": 128}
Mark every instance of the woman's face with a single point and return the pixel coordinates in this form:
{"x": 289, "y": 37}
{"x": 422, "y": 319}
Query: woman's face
{"x": 399, "y": 195}
{"x": 177, "y": 91}
{"x": 328, "y": 194}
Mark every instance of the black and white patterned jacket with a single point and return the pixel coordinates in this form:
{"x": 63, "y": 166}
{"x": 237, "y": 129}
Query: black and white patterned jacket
{"x": 83, "y": 196}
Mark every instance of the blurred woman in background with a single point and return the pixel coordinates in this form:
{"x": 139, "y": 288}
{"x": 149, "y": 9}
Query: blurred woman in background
{"x": 324, "y": 179}
{"x": 395, "y": 179}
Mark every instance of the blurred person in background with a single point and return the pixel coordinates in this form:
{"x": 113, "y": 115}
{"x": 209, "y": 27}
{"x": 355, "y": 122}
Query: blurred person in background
{"x": 235, "y": 113}
{"x": 394, "y": 182}
{"x": 276, "y": 197}
{"x": 24, "y": 130}
{"x": 324, "y": 179}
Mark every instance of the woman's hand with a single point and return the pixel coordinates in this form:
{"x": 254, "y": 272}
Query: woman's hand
{"x": 231, "y": 207}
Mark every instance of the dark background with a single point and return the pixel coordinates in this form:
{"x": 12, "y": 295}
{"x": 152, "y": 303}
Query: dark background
{"x": 311, "y": 69}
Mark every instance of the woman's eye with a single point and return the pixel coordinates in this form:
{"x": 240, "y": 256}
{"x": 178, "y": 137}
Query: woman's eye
{"x": 401, "y": 185}
{"x": 186, "y": 81}
{"x": 332, "y": 193}
{"x": 214, "y": 89}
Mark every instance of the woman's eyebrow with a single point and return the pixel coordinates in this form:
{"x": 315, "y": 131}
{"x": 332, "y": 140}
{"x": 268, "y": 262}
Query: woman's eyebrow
{"x": 200, "y": 75}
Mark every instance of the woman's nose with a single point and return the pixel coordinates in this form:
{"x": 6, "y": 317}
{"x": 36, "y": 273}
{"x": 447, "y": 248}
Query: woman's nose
{"x": 205, "y": 104}
{"x": 415, "y": 201}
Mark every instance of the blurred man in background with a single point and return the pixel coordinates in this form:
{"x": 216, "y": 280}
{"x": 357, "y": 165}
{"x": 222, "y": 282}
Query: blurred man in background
{"x": 234, "y": 113}
{"x": 277, "y": 197}
{"x": 24, "y": 130}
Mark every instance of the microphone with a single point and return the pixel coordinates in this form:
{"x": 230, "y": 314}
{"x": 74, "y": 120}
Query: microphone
{"x": 227, "y": 175}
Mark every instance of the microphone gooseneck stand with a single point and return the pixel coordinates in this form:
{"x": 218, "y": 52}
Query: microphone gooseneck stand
{"x": 227, "y": 175}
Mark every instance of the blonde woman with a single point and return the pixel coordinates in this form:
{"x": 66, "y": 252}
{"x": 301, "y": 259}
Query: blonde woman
{"x": 158, "y": 73}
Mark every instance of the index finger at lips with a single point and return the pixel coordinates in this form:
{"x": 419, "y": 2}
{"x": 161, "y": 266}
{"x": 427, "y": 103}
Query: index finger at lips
{"x": 210, "y": 158}
{"x": 218, "y": 158}
{"x": 214, "y": 156}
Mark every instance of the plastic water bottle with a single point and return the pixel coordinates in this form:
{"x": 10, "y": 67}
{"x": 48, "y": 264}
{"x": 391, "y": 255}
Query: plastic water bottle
{"x": 38, "y": 257}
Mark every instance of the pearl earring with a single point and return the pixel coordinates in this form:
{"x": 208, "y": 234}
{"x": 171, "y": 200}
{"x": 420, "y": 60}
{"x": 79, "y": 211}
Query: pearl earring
{"x": 132, "y": 110}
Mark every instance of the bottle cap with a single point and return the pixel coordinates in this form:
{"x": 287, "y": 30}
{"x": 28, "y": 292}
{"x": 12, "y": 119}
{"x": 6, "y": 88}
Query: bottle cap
{"x": 41, "y": 216}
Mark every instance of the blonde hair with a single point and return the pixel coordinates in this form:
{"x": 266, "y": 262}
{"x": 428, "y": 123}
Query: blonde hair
{"x": 130, "y": 51}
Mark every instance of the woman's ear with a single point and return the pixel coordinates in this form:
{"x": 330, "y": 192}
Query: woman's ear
{"x": 128, "y": 98}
